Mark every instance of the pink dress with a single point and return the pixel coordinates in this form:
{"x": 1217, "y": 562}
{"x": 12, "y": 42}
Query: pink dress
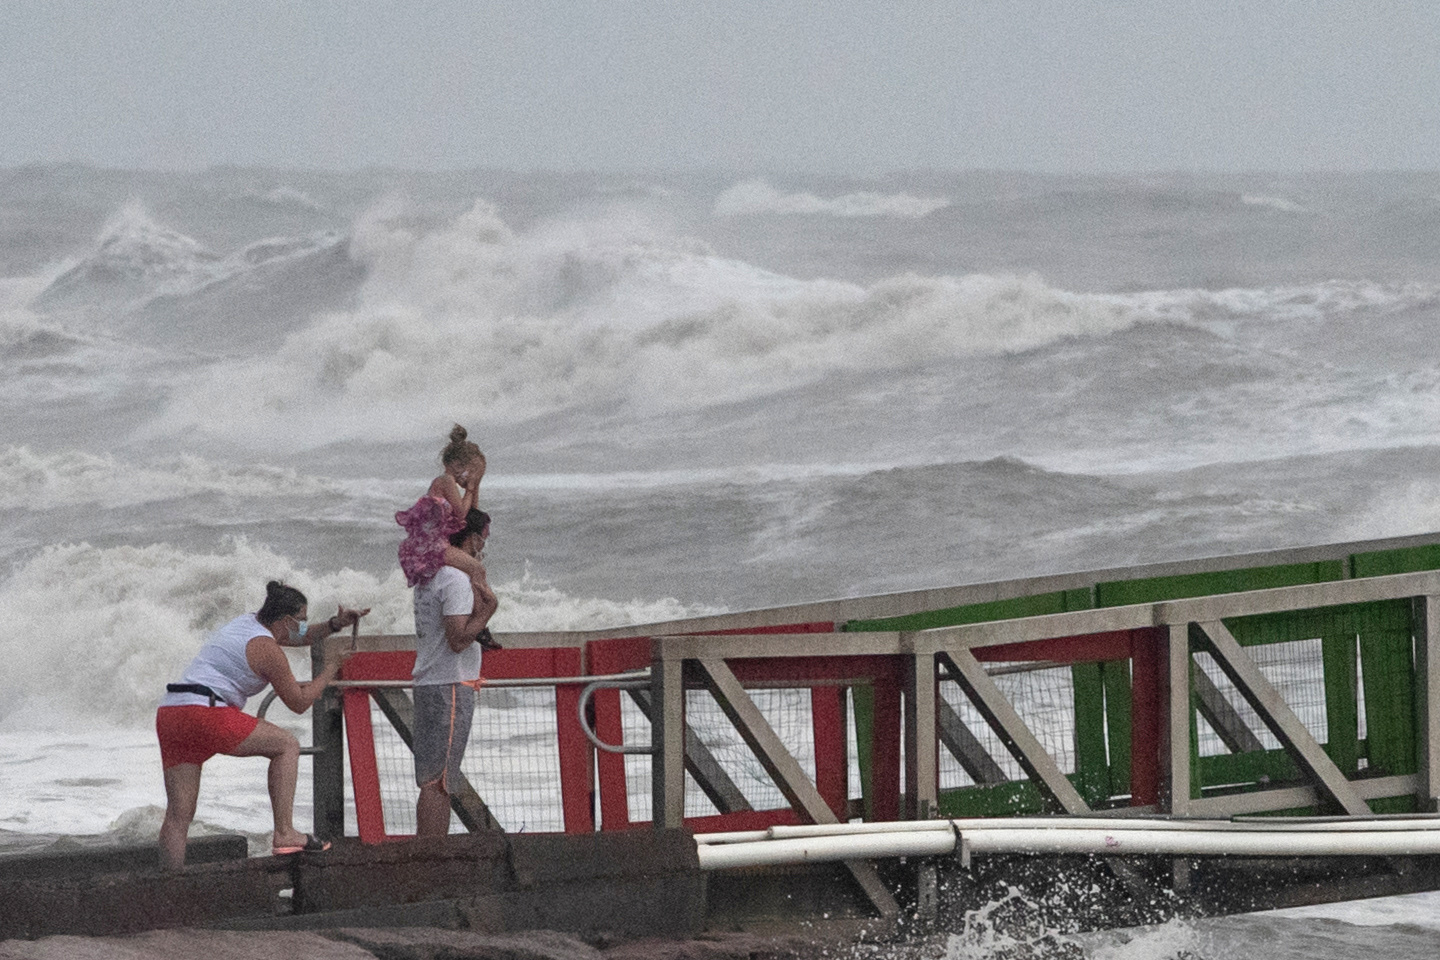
{"x": 429, "y": 525}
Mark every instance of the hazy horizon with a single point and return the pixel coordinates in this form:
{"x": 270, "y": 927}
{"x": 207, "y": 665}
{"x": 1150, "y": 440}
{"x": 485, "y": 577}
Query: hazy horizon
{"x": 1039, "y": 86}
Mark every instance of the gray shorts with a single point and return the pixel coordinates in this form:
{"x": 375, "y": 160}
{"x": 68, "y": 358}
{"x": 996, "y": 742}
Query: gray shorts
{"x": 442, "y": 728}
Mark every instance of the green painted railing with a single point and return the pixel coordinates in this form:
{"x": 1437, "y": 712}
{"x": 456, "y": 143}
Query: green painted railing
{"x": 1363, "y": 668}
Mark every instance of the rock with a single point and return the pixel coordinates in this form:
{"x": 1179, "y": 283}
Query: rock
{"x": 185, "y": 945}
{"x": 426, "y": 943}
{"x": 717, "y": 946}
{"x": 402, "y": 943}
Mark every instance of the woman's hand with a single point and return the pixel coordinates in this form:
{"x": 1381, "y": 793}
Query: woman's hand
{"x": 346, "y": 617}
{"x": 335, "y": 658}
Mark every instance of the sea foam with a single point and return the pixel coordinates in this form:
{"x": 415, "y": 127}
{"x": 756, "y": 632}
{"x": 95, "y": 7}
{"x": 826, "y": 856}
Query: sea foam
{"x": 35, "y": 481}
{"x": 493, "y": 323}
{"x": 751, "y": 197}
{"x": 94, "y": 634}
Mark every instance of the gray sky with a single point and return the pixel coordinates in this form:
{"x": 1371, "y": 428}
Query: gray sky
{"x": 837, "y": 86}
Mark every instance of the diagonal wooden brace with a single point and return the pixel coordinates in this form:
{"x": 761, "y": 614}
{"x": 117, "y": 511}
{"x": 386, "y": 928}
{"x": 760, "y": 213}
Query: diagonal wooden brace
{"x": 1033, "y": 758}
{"x": 701, "y": 764}
{"x": 464, "y": 799}
{"x": 1272, "y": 708}
{"x": 785, "y": 770}
{"x": 1223, "y": 718}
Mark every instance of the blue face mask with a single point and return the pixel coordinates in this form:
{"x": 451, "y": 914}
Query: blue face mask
{"x": 299, "y": 632}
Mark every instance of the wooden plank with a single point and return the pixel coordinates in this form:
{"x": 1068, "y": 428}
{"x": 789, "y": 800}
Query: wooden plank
{"x": 1147, "y": 715}
{"x": 1292, "y": 798}
{"x": 832, "y": 747}
{"x": 702, "y": 766}
{"x": 1176, "y": 776}
{"x": 886, "y": 733}
{"x": 785, "y": 770}
{"x": 667, "y": 743}
{"x": 1092, "y": 764}
{"x": 364, "y": 767}
{"x": 1012, "y": 731}
{"x": 1388, "y": 671}
{"x": 1115, "y": 675}
{"x": 1427, "y": 678}
{"x": 1278, "y": 716}
{"x": 966, "y": 748}
{"x": 327, "y": 734}
{"x": 762, "y": 645}
{"x": 466, "y": 803}
{"x": 922, "y": 774}
{"x": 1222, "y": 716}
{"x": 1342, "y": 702}
{"x": 1164, "y": 613}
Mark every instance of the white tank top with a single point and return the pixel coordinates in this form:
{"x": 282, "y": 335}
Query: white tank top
{"x": 221, "y": 666}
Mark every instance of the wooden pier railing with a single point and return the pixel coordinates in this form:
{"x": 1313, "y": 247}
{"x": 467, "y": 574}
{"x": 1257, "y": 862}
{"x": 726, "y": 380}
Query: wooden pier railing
{"x": 1301, "y": 681}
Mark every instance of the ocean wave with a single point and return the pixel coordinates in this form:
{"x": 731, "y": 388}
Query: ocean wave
{"x": 136, "y": 259}
{"x": 615, "y": 312}
{"x": 93, "y": 632}
{"x": 132, "y": 254}
{"x": 1272, "y": 203}
{"x": 752, "y": 197}
{"x": 1306, "y": 303}
{"x": 44, "y": 481}
{"x": 285, "y": 196}
{"x": 488, "y": 323}
{"x": 25, "y": 336}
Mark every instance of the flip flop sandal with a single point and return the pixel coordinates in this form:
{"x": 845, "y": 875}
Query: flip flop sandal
{"x": 312, "y": 844}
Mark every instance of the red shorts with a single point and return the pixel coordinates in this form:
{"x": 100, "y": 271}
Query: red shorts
{"x": 194, "y": 734}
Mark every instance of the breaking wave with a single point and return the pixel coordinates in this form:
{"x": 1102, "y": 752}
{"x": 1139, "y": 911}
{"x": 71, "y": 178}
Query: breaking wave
{"x": 40, "y": 481}
{"x": 136, "y": 259}
{"x": 95, "y": 633}
{"x": 759, "y": 197}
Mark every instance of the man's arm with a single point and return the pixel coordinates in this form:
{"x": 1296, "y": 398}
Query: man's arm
{"x": 461, "y": 630}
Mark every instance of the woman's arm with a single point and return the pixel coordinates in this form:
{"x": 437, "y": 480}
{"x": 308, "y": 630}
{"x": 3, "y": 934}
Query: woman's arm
{"x": 269, "y": 661}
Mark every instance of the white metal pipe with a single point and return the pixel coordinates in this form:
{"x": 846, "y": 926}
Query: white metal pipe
{"x": 734, "y": 836}
{"x": 1183, "y": 842}
{"x": 1091, "y": 823}
{"x": 818, "y": 849}
{"x": 1413, "y": 837}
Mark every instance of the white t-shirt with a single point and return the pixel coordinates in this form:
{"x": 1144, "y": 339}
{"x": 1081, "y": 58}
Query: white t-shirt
{"x": 447, "y": 594}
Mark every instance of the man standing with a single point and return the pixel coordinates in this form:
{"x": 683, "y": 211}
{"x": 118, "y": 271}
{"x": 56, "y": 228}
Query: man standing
{"x": 451, "y": 614}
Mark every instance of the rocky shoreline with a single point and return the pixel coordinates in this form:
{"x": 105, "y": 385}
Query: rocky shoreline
{"x": 417, "y": 943}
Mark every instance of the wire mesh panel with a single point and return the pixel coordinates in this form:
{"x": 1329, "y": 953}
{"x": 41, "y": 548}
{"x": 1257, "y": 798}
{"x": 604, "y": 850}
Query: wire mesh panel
{"x": 1295, "y": 669}
{"x": 511, "y": 760}
{"x": 1044, "y": 697}
{"x": 396, "y": 765}
{"x": 1348, "y": 675}
{"x": 788, "y": 712}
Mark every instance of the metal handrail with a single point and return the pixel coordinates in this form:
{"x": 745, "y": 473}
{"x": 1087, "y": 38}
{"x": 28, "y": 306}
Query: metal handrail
{"x": 514, "y": 682}
{"x": 633, "y": 680}
{"x": 590, "y": 734}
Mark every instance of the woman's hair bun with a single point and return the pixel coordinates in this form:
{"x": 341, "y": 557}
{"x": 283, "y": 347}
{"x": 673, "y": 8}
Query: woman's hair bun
{"x": 458, "y": 434}
{"x": 274, "y": 586}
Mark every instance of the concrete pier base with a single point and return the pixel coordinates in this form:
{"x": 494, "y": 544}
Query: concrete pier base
{"x": 634, "y": 884}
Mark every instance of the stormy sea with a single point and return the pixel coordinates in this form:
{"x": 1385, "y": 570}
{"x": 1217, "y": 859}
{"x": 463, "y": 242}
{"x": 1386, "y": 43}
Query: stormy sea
{"x": 697, "y": 392}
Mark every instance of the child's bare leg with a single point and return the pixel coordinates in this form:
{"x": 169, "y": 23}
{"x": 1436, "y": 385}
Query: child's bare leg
{"x": 474, "y": 569}
{"x": 485, "y": 604}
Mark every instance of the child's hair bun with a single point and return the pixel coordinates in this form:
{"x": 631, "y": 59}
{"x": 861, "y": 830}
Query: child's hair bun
{"x": 459, "y": 449}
